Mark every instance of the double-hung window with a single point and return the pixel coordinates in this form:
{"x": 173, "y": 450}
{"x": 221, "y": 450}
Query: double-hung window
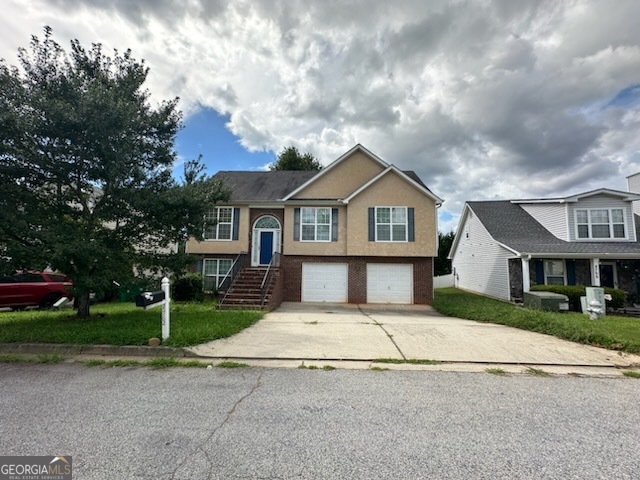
{"x": 554, "y": 272}
{"x": 213, "y": 271}
{"x": 391, "y": 224}
{"x": 315, "y": 224}
{"x": 220, "y": 224}
{"x": 600, "y": 223}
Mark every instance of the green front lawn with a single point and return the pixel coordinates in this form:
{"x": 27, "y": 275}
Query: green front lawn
{"x": 125, "y": 324}
{"x": 618, "y": 333}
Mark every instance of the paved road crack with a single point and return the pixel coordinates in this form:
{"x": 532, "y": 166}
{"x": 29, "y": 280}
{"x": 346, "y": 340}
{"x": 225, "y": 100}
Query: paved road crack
{"x": 384, "y": 330}
{"x": 200, "y": 446}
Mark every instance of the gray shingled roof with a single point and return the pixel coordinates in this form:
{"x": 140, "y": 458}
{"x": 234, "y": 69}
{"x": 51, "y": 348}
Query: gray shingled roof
{"x": 512, "y": 226}
{"x": 414, "y": 176}
{"x": 268, "y": 186}
{"x": 262, "y": 186}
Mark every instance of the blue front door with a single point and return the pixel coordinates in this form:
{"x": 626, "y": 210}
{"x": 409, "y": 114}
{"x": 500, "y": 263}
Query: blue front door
{"x": 266, "y": 247}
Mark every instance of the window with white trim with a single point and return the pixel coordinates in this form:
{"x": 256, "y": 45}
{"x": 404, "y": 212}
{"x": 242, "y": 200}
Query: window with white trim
{"x": 391, "y": 224}
{"x": 315, "y": 224}
{"x": 213, "y": 272}
{"x": 220, "y": 221}
{"x": 600, "y": 223}
{"x": 554, "y": 272}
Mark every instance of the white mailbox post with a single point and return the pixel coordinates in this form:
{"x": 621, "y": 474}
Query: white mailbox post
{"x": 162, "y": 298}
{"x": 166, "y": 312}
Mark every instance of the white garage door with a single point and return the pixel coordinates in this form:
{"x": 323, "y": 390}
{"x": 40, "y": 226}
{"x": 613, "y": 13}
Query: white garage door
{"x": 324, "y": 282}
{"x": 389, "y": 283}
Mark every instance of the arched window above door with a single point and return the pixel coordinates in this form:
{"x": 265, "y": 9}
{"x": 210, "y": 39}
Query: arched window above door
{"x": 267, "y": 222}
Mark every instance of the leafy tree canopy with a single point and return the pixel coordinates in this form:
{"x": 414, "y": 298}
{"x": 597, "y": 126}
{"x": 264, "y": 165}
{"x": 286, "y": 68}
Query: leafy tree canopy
{"x": 442, "y": 263}
{"x": 291, "y": 159}
{"x": 86, "y": 168}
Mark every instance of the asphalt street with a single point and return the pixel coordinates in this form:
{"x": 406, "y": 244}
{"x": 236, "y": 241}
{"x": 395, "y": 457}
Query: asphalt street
{"x": 138, "y": 423}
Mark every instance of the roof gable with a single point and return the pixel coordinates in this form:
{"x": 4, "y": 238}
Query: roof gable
{"x": 410, "y": 177}
{"x": 346, "y": 181}
{"x": 625, "y": 196}
{"x": 377, "y": 161}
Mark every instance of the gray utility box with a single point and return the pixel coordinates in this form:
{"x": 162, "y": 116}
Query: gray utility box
{"x": 546, "y": 301}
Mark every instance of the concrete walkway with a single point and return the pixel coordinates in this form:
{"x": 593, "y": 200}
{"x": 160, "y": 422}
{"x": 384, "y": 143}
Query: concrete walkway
{"x": 367, "y": 332}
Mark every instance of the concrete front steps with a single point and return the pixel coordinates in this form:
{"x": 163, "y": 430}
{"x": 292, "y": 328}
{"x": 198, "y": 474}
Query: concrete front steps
{"x": 245, "y": 292}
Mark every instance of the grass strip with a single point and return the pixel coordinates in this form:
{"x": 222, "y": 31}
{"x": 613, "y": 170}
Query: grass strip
{"x": 230, "y": 364}
{"x": 613, "y": 332}
{"x": 11, "y": 358}
{"x": 496, "y": 371}
{"x": 124, "y": 324}
{"x": 536, "y": 372}
{"x": 46, "y": 358}
{"x": 156, "y": 362}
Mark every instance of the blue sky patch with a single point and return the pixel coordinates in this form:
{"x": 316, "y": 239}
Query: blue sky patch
{"x": 205, "y": 133}
{"x": 626, "y": 97}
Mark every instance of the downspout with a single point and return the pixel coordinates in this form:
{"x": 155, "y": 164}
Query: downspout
{"x": 526, "y": 276}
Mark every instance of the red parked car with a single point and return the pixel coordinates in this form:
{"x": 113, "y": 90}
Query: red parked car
{"x": 26, "y": 289}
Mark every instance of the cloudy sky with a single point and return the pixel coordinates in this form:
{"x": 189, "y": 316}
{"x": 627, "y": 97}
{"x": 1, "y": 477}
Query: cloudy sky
{"x": 484, "y": 100}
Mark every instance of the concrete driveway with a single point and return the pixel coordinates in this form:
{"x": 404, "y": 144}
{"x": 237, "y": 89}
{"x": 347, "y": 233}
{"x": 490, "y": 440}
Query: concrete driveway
{"x": 299, "y": 331}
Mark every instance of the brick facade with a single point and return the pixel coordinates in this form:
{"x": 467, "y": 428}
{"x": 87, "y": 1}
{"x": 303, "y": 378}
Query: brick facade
{"x": 422, "y": 275}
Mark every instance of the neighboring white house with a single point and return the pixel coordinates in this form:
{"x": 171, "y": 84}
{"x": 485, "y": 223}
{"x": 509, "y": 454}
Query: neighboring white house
{"x": 503, "y": 247}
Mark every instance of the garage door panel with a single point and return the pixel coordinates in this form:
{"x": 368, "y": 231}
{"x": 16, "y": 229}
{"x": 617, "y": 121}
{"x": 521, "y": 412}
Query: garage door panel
{"x": 324, "y": 282}
{"x": 389, "y": 283}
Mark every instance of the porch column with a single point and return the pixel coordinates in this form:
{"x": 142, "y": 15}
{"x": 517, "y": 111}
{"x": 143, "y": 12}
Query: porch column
{"x": 595, "y": 272}
{"x": 526, "y": 282}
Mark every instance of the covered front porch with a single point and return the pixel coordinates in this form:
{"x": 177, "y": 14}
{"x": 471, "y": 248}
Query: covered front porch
{"x": 595, "y": 271}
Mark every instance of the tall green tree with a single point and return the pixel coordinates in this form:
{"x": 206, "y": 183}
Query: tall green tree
{"x": 86, "y": 168}
{"x": 291, "y": 159}
{"x": 443, "y": 264}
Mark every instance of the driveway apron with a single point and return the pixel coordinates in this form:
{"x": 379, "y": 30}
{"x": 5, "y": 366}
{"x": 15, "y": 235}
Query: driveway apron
{"x": 367, "y": 332}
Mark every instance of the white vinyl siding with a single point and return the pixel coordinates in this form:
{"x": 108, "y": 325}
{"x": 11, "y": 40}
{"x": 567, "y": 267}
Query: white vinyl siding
{"x": 480, "y": 263}
{"x": 553, "y": 217}
{"x": 633, "y": 185}
{"x": 389, "y": 283}
{"x": 601, "y": 202}
{"x": 324, "y": 282}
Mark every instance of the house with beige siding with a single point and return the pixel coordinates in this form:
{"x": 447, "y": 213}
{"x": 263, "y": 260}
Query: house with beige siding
{"x": 358, "y": 231}
{"x": 502, "y": 248}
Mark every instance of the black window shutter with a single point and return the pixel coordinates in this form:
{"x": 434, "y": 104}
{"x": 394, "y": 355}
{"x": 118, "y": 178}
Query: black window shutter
{"x": 198, "y": 266}
{"x": 372, "y": 224}
{"x": 539, "y": 272}
{"x": 334, "y": 224}
{"x": 571, "y": 272}
{"x": 296, "y": 224}
{"x": 410, "y": 224}
{"x": 236, "y": 223}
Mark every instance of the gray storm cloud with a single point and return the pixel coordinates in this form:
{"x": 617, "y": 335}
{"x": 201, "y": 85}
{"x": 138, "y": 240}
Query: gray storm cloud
{"x": 482, "y": 99}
